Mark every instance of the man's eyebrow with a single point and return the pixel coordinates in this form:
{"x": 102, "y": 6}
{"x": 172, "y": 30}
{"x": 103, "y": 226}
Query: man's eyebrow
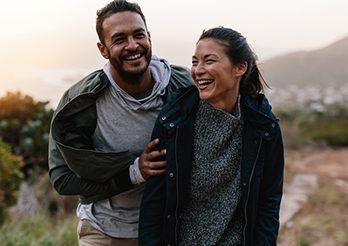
{"x": 118, "y": 34}
{"x": 140, "y": 29}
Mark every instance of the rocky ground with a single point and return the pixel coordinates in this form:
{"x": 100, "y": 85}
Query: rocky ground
{"x": 315, "y": 203}
{"x": 314, "y": 209}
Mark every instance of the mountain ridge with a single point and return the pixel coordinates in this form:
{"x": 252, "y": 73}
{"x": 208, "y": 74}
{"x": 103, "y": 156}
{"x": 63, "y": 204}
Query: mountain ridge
{"x": 324, "y": 67}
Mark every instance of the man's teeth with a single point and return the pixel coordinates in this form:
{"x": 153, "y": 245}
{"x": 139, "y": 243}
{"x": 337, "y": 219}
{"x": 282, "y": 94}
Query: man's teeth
{"x": 203, "y": 82}
{"x": 133, "y": 57}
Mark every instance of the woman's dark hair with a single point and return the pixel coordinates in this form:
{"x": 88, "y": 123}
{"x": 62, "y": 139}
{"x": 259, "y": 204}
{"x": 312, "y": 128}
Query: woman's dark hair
{"x": 114, "y": 7}
{"x": 238, "y": 50}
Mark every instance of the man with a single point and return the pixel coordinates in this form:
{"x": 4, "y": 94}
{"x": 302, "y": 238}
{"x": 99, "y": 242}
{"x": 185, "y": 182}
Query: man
{"x": 99, "y": 137}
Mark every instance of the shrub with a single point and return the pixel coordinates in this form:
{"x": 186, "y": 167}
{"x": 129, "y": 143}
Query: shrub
{"x": 25, "y": 124}
{"x": 312, "y": 127}
{"x": 291, "y": 131}
{"x": 329, "y": 129}
{"x": 10, "y": 178}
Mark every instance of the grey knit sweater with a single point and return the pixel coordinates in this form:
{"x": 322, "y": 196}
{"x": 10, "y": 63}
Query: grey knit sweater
{"x": 213, "y": 214}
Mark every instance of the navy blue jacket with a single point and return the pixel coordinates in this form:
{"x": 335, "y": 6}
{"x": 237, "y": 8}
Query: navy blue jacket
{"x": 262, "y": 171}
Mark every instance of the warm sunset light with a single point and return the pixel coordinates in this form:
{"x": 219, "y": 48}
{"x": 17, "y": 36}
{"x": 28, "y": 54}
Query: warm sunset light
{"x": 190, "y": 122}
{"x": 46, "y": 46}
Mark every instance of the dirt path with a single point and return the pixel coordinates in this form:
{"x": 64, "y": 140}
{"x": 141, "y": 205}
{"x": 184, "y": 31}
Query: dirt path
{"x": 295, "y": 194}
{"x": 315, "y": 204}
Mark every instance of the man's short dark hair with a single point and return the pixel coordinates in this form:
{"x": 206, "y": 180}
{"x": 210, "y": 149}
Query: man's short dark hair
{"x": 114, "y": 7}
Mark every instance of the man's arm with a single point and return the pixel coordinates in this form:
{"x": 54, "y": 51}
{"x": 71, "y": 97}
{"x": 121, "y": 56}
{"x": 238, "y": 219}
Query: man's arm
{"x": 67, "y": 182}
{"x": 147, "y": 164}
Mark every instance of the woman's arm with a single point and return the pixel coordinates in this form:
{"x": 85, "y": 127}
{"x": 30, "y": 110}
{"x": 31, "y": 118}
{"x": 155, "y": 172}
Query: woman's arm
{"x": 270, "y": 193}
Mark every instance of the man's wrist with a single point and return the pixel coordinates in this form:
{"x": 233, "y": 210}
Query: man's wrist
{"x": 135, "y": 174}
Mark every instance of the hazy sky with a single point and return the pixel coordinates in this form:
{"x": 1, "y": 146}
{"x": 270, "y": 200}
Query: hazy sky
{"x": 47, "y": 45}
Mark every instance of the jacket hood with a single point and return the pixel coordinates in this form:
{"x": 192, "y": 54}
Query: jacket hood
{"x": 185, "y": 100}
{"x": 160, "y": 70}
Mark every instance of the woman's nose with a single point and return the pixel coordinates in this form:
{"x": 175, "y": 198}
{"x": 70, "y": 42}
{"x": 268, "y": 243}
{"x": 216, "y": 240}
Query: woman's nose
{"x": 199, "y": 69}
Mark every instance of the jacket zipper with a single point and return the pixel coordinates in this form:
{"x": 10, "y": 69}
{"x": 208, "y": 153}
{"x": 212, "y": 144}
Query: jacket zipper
{"x": 246, "y": 204}
{"x": 177, "y": 186}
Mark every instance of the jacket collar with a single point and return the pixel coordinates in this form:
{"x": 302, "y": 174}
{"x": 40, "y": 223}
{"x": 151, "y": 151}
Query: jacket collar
{"x": 260, "y": 116}
{"x": 185, "y": 100}
{"x": 181, "y": 105}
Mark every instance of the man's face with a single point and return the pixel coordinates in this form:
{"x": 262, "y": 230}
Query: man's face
{"x": 127, "y": 46}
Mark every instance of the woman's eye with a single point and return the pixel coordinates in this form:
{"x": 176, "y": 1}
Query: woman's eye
{"x": 194, "y": 62}
{"x": 210, "y": 60}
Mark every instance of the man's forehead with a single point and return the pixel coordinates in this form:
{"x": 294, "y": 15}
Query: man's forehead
{"x": 123, "y": 22}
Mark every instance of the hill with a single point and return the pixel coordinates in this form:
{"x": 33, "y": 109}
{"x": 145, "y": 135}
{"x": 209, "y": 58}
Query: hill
{"x": 323, "y": 67}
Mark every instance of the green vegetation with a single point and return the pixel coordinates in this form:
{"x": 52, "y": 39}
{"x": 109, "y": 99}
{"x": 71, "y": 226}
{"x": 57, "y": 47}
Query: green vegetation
{"x": 328, "y": 128}
{"x": 332, "y": 130}
{"x": 10, "y": 178}
{"x": 25, "y": 124}
{"x": 39, "y": 231}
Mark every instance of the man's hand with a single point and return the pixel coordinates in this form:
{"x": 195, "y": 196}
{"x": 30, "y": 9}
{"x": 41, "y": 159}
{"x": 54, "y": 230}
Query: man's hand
{"x": 146, "y": 166}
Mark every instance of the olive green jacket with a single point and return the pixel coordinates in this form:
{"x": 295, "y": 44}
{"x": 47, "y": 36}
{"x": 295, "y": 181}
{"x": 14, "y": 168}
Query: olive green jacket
{"x": 75, "y": 168}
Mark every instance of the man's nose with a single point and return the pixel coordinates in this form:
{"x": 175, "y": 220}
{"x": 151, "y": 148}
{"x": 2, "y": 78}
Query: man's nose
{"x": 132, "y": 44}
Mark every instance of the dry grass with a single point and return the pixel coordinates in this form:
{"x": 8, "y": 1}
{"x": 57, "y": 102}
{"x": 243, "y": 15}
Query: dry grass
{"x": 323, "y": 220}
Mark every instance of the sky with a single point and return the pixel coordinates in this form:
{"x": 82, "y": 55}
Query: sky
{"x": 46, "y": 45}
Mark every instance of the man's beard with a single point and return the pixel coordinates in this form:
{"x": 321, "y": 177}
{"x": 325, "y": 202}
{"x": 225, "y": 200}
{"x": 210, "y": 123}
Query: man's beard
{"x": 131, "y": 77}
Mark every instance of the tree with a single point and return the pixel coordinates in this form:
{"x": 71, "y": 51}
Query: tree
{"x": 10, "y": 178}
{"x": 24, "y": 124}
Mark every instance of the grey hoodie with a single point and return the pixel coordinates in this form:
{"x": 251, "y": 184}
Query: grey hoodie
{"x": 118, "y": 216}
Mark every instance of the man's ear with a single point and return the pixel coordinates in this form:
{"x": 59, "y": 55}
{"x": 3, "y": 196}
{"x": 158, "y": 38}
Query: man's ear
{"x": 241, "y": 68}
{"x": 103, "y": 50}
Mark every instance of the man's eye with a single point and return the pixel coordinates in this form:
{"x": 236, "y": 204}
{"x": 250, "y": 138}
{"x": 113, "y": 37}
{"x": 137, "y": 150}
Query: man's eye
{"x": 194, "y": 62}
{"x": 118, "y": 41}
{"x": 210, "y": 60}
{"x": 140, "y": 35}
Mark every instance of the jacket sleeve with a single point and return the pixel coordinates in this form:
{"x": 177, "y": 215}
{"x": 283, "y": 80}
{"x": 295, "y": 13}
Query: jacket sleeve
{"x": 68, "y": 181}
{"x": 154, "y": 202}
{"x": 270, "y": 193}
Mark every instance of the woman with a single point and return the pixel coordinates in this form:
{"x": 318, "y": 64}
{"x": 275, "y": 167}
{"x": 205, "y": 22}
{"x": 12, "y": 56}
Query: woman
{"x": 225, "y": 160}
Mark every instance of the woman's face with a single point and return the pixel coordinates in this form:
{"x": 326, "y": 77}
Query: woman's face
{"x": 216, "y": 78}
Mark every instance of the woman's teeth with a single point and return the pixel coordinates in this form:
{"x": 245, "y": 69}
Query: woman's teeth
{"x": 205, "y": 82}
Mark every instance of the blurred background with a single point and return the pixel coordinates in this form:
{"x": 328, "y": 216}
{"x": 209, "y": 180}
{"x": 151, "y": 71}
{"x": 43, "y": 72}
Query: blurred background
{"x": 302, "y": 46}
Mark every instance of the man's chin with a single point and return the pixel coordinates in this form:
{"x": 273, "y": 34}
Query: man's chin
{"x": 134, "y": 76}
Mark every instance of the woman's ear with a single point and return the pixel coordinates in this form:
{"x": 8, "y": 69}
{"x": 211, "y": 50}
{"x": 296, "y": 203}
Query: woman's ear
{"x": 241, "y": 68}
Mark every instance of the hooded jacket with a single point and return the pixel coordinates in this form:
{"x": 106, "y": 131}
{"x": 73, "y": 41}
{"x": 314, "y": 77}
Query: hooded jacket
{"x": 75, "y": 168}
{"x": 261, "y": 174}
